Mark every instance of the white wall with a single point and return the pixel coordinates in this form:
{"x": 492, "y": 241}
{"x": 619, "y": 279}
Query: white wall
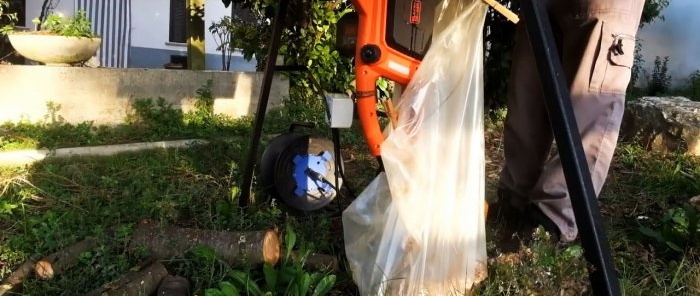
{"x": 150, "y": 25}
{"x": 214, "y": 10}
{"x": 64, "y": 8}
{"x": 150, "y": 21}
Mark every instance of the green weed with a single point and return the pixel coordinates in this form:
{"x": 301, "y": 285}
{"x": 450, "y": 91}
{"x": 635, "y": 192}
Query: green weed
{"x": 151, "y": 119}
{"x": 288, "y": 278}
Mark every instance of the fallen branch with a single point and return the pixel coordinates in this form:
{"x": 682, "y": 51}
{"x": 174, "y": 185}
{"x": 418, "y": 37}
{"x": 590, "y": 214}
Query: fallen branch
{"x": 174, "y": 286}
{"x": 17, "y": 277}
{"x": 140, "y": 281}
{"x": 58, "y": 262}
{"x": 235, "y": 248}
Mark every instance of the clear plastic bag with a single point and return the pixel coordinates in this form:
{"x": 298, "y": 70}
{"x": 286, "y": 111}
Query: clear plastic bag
{"x": 418, "y": 228}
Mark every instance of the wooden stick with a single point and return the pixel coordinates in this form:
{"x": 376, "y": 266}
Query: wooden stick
{"x": 58, "y": 262}
{"x": 503, "y": 10}
{"x": 138, "y": 281}
{"x": 233, "y": 247}
{"x": 17, "y": 277}
{"x": 391, "y": 112}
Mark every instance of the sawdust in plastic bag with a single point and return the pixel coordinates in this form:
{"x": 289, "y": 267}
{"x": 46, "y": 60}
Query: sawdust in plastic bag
{"x": 418, "y": 228}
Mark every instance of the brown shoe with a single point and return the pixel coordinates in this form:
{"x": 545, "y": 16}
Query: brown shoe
{"x": 512, "y": 224}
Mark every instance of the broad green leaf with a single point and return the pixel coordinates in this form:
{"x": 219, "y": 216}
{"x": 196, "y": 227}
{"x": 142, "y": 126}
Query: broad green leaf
{"x": 674, "y": 246}
{"x": 286, "y": 274}
{"x": 294, "y": 291}
{"x": 270, "y": 277}
{"x": 324, "y": 286}
{"x": 245, "y": 283}
{"x": 304, "y": 284}
{"x": 227, "y": 289}
{"x": 651, "y": 233}
{"x": 212, "y": 292}
{"x": 290, "y": 239}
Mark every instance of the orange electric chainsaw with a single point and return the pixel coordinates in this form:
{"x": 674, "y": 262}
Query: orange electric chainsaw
{"x": 388, "y": 39}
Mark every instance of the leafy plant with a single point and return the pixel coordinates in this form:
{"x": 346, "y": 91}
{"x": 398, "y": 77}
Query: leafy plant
{"x": 7, "y": 20}
{"x": 289, "y": 278}
{"x": 46, "y": 8}
{"x": 692, "y": 87}
{"x": 633, "y": 90}
{"x": 660, "y": 79}
{"x": 76, "y": 26}
{"x": 223, "y": 33}
{"x": 679, "y": 229}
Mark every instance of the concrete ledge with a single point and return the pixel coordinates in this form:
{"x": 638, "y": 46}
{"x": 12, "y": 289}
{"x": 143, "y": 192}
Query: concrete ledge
{"x": 24, "y": 157}
{"x": 105, "y": 95}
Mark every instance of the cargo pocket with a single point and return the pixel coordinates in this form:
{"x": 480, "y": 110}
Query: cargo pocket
{"x": 613, "y": 66}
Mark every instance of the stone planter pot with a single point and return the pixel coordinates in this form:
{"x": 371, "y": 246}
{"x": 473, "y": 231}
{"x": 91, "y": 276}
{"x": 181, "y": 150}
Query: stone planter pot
{"x": 55, "y": 50}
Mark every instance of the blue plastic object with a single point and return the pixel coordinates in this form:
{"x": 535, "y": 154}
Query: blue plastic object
{"x": 315, "y": 163}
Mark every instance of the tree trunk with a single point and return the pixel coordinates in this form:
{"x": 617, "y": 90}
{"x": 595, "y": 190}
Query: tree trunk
{"x": 17, "y": 277}
{"x": 235, "y": 248}
{"x": 58, "y": 262}
{"x": 142, "y": 281}
{"x": 195, "y": 35}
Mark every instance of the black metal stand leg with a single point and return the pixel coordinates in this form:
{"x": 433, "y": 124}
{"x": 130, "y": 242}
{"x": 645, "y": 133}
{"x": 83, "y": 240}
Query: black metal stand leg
{"x": 272, "y": 52}
{"x": 603, "y": 276}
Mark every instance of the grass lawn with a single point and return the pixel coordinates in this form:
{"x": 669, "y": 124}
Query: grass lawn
{"x": 55, "y": 203}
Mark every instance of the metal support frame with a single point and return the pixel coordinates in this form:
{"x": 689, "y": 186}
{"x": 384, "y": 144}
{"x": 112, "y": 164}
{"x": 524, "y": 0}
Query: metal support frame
{"x": 602, "y": 274}
{"x": 270, "y": 67}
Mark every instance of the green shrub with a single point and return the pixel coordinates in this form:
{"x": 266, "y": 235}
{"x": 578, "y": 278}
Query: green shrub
{"x": 77, "y": 26}
{"x": 677, "y": 231}
{"x": 7, "y": 20}
{"x": 692, "y": 87}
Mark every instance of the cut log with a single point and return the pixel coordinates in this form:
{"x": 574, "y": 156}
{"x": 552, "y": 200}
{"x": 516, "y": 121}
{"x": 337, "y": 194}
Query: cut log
{"x": 17, "y": 277}
{"x": 174, "y": 286}
{"x": 139, "y": 281}
{"x": 58, "y": 262}
{"x": 235, "y": 248}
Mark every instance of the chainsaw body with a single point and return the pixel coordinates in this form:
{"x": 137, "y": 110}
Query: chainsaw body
{"x": 392, "y": 36}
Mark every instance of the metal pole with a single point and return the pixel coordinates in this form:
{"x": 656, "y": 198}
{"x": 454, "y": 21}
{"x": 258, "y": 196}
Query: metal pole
{"x": 603, "y": 276}
{"x": 277, "y": 27}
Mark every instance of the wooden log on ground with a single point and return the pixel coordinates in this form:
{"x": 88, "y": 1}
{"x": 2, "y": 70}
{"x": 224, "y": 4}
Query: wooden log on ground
{"x": 143, "y": 280}
{"x": 233, "y": 247}
{"x": 174, "y": 286}
{"x": 17, "y": 277}
{"x": 58, "y": 262}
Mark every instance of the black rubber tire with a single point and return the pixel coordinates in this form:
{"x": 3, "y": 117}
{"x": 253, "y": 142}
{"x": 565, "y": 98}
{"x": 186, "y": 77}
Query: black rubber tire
{"x": 268, "y": 161}
{"x": 285, "y": 183}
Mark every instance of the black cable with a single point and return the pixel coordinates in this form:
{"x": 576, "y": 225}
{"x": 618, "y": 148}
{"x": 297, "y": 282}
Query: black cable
{"x": 335, "y": 132}
{"x": 335, "y": 138}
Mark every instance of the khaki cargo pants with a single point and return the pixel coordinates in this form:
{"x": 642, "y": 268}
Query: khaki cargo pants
{"x": 596, "y": 41}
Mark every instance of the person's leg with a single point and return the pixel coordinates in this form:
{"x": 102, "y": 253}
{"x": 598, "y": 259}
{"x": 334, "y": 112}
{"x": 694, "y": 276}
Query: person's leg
{"x": 527, "y": 136}
{"x": 597, "y": 55}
